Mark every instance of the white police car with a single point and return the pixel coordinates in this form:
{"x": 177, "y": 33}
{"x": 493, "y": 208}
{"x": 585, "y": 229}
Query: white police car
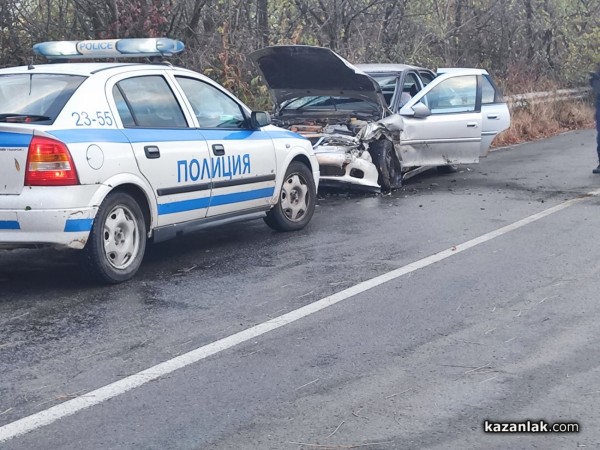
{"x": 101, "y": 156}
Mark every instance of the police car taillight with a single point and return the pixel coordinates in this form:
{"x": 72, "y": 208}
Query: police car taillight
{"x": 49, "y": 163}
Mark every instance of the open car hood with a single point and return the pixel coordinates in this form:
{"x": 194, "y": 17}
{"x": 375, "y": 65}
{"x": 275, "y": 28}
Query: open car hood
{"x": 293, "y": 71}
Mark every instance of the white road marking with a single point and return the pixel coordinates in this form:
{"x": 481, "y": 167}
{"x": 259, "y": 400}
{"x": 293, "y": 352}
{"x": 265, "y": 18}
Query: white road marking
{"x": 70, "y": 407}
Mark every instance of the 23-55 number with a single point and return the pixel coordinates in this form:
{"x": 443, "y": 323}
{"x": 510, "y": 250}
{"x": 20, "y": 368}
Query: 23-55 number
{"x": 84, "y": 119}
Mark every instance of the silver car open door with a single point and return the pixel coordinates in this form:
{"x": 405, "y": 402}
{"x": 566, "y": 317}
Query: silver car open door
{"x": 443, "y": 122}
{"x": 495, "y": 113}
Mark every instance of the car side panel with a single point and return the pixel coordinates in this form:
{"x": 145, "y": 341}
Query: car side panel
{"x": 244, "y": 176}
{"x": 175, "y": 161}
{"x": 441, "y": 140}
{"x": 180, "y": 176}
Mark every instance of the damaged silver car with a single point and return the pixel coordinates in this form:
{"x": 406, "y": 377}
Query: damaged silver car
{"x": 371, "y": 131}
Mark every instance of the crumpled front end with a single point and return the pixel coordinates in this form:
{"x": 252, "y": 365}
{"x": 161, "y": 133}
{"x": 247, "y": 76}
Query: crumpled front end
{"x": 389, "y": 127}
{"x": 344, "y": 162}
{"x": 345, "y": 151}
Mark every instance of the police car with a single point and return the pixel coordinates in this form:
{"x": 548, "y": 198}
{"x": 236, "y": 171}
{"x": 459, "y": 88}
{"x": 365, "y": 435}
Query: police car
{"x": 102, "y": 156}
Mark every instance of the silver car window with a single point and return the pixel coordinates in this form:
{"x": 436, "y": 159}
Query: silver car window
{"x": 454, "y": 95}
{"x": 426, "y": 76}
{"x": 490, "y": 92}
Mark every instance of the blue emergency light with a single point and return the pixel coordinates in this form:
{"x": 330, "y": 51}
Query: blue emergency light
{"x": 109, "y": 48}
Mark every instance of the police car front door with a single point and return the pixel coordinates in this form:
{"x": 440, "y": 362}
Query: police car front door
{"x": 171, "y": 155}
{"x": 243, "y": 160}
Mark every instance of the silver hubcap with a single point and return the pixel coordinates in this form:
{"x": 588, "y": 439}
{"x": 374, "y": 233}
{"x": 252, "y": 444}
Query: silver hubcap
{"x": 121, "y": 237}
{"x": 294, "y": 198}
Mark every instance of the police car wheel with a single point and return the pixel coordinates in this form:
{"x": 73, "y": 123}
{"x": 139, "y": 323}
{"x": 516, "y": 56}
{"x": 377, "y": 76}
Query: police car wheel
{"x": 117, "y": 242}
{"x": 296, "y": 203}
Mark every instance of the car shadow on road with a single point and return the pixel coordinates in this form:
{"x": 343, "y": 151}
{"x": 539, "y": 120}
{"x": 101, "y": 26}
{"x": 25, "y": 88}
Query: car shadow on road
{"x": 39, "y": 269}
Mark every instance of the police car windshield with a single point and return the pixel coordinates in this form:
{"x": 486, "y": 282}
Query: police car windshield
{"x": 32, "y": 97}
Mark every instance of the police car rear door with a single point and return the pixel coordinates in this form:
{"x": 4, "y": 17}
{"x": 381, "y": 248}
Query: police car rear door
{"x": 170, "y": 152}
{"x": 243, "y": 161}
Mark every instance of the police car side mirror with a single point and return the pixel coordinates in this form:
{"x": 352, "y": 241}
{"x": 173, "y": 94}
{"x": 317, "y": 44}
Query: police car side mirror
{"x": 260, "y": 119}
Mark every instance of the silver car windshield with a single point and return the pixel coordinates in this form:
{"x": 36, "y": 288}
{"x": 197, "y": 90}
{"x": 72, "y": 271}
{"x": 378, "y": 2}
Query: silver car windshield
{"x": 39, "y": 98}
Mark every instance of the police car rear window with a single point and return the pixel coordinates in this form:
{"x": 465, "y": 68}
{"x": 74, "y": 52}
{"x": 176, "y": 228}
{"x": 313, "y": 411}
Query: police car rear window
{"x": 39, "y": 98}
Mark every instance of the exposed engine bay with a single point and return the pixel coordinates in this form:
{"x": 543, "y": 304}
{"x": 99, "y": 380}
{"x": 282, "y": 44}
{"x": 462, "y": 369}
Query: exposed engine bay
{"x": 354, "y": 153}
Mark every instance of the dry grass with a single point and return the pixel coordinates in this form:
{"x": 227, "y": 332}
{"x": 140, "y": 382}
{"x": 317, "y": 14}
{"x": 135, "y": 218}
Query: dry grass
{"x": 541, "y": 120}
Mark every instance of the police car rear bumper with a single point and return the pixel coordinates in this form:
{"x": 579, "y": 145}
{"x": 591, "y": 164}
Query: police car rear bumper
{"x": 58, "y": 216}
{"x": 58, "y": 227}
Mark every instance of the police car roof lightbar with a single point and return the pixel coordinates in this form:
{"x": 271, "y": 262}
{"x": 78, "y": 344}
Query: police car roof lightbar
{"x": 109, "y": 48}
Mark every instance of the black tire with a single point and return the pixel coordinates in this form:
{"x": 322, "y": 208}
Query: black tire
{"x": 117, "y": 242}
{"x": 384, "y": 158}
{"x": 450, "y": 168}
{"x": 297, "y": 198}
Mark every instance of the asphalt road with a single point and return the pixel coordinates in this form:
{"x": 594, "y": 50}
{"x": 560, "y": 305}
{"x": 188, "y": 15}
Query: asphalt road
{"x": 506, "y": 330}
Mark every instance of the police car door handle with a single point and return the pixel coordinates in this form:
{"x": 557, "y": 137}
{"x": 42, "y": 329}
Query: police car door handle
{"x": 152, "y": 151}
{"x": 218, "y": 149}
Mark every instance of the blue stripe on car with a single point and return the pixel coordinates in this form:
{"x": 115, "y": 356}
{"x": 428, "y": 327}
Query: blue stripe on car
{"x": 183, "y": 205}
{"x": 237, "y": 197}
{"x": 191, "y": 134}
{"x": 74, "y": 225}
{"x": 9, "y": 225}
{"x": 216, "y": 134}
{"x": 8, "y": 139}
{"x": 217, "y": 200}
{"x": 89, "y": 135}
{"x": 137, "y": 135}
